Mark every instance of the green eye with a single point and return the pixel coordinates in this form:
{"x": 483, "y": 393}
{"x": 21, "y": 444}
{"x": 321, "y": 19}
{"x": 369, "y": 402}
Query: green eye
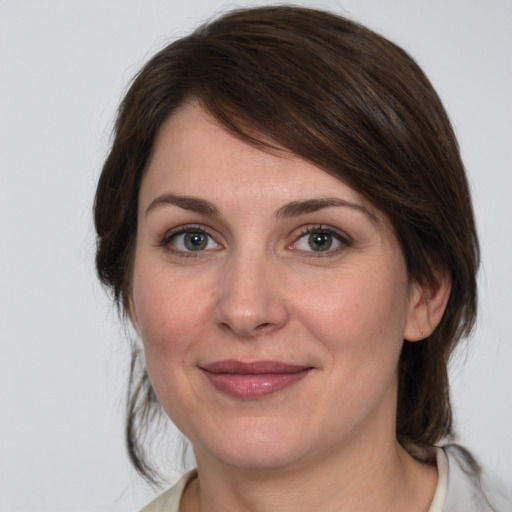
{"x": 195, "y": 241}
{"x": 320, "y": 241}
{"x": 190, "y": 240}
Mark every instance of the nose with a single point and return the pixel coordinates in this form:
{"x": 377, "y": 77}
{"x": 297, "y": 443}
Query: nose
{"x": 251, "y": 299}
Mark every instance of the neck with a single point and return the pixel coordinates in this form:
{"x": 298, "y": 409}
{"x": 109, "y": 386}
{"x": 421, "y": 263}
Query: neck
{"x": 356, "y": 479}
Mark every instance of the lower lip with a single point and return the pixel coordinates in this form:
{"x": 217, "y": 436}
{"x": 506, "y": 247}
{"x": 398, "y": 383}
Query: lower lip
{"x": 253, "y": 385}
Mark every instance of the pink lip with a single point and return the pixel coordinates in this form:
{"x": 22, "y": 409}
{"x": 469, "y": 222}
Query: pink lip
{"x": 253, "y": 379}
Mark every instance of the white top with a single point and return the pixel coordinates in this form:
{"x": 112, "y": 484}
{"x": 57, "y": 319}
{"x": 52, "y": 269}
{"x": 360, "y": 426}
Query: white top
{"x": 456, "y": 491}
{"x": 439, "y": 498}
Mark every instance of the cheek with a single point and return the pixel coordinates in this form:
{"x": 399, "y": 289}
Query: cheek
{"x": 360, "y": 327}
{"x": 360, "y": 318}
{"x": 170, "y": 312}
{"x": 171, "y": 320}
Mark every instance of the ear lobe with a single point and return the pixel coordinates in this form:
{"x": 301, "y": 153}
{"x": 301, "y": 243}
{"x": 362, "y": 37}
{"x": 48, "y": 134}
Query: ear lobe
{"x": 427, "y": 306}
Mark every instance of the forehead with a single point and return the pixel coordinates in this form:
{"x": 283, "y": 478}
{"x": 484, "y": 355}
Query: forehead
{"x": 194, "y": 155}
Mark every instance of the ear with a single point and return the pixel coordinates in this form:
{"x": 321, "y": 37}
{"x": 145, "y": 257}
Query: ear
{"x": 427, "y": 304}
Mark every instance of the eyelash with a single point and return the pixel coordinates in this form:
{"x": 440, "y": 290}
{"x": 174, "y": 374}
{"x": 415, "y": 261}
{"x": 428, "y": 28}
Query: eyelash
{"x": 170, "y": 236}
{"x": 343, "y": 239}
{"x": 340, "y": 237}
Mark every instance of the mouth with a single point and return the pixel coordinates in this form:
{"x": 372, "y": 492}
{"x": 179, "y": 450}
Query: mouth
{"x": 251, "y": 380}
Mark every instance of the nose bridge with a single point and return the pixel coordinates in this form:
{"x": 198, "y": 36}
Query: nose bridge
{"x": 250, "y": 300}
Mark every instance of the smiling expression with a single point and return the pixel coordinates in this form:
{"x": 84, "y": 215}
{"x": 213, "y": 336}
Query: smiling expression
{"x": 271, "y": 298}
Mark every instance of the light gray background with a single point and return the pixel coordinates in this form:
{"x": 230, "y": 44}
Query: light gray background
{"x": 63, "y": 66}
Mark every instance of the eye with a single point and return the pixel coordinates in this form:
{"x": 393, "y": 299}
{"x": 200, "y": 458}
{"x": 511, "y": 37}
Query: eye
{"x": 189, "y": 240}
{"x": 319, "y": 239}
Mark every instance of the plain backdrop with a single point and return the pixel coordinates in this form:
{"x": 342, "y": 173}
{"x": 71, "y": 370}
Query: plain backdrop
{"x": 63, "y": 358}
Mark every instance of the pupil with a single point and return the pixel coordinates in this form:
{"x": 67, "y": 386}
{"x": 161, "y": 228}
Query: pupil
{"x": 195, "y": 241}
{"x": 320, "y": 241}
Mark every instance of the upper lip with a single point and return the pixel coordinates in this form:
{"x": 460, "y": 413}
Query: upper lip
{"x": 252, "y": 368}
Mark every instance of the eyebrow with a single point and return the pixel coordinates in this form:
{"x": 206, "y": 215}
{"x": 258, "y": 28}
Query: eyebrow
{"x": 193, "y": 204}
{"x": 297, "y": 208}
{"x": 292, "y": 209}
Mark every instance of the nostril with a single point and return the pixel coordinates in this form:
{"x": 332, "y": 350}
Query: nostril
{"x": 248, "y": 331}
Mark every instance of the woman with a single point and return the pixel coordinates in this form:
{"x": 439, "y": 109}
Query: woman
{"x": 285, "y": 218}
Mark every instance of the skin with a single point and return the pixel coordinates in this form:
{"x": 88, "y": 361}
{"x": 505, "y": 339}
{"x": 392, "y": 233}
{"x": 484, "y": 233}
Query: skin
{"x": 259, "y": 291}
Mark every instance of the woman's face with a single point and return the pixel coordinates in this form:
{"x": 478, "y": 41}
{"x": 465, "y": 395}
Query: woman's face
{"x": 271, "y": 298}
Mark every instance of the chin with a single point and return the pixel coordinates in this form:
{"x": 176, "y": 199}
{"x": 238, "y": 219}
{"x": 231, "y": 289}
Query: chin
{"x": 266, "y": 447}
{"x": 263, "y": 458}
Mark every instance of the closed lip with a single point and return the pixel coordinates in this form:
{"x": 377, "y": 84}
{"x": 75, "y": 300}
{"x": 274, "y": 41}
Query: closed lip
{"x": 254, "y": 379}
{"x": 234, "y": 366}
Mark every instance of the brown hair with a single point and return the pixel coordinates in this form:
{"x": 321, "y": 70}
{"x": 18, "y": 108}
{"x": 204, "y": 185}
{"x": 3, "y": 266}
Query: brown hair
{"x": 346, "y": 99}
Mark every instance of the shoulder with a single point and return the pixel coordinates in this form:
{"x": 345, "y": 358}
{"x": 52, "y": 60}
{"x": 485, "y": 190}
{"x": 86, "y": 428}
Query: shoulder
{"x": 470, "y": 490}
{"x": 169, "y": 501}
